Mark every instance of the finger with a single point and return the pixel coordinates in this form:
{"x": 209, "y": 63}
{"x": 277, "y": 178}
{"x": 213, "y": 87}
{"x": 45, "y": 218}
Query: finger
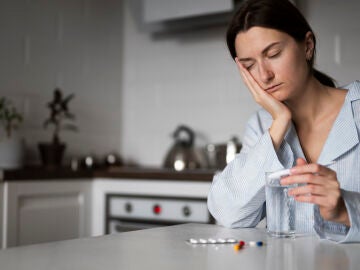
{"x": 314, "y": 199}
{"x": 319, "y": 200}
{"x": 308, "y": 178}
{"x": 238, "y": 63}
{"x": 300, "y": 162}
{"x": 311, "y": 168}
{"x": 309, "y": 189}
{"x": 246, "y": 76}
{"x": 249, "y": 79}
{"x": 243, "y": 74}
{"x": 240, "y": 66}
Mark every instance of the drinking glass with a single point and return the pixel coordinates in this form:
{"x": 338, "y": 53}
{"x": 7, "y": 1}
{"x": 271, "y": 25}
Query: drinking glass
{"x": 280, "y": 207}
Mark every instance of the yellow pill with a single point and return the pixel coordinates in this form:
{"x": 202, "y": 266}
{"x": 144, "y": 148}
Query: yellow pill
{"x": 237, "y": 247}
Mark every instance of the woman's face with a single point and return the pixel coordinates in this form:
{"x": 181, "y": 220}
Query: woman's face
{"x": 275, "y": 60}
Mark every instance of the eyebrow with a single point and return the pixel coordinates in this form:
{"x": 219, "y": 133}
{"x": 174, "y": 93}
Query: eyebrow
{"x": 264, "y": 51}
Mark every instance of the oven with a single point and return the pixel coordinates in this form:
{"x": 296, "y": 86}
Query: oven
{"x": 126, "y": 212}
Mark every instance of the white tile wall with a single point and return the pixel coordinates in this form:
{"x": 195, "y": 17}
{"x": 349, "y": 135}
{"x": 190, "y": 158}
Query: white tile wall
{"x": 133, "y": 88}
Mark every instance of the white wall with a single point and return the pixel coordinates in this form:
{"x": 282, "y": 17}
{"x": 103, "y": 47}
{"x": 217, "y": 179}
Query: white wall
{"x": 337, "y": 26}
{"x": 133, "y": 88}
{"x": 185, "y": 77}
{"x": 75, "y": 45}
{"x": 189, "y": 78}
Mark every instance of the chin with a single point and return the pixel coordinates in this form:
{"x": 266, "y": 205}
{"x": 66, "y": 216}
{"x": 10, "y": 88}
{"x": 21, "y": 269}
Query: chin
{"x": 279, "y": 96}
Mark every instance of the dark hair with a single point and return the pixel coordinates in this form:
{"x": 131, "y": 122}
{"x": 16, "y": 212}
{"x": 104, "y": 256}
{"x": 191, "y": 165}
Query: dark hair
{"x": 280, "y": 15}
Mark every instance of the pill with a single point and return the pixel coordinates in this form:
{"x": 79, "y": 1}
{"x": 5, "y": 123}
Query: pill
{"x": 203, "y": 241}
{"x": 212, "y": 241}
{"x": 252, "y": 243}
{"x": 193, "y": 241}
{"x": 237, "y": 247}
{"x": 230, "y": 240}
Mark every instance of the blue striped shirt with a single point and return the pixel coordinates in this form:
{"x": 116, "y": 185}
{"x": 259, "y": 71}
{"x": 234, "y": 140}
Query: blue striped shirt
{"x": 237, "y": 194}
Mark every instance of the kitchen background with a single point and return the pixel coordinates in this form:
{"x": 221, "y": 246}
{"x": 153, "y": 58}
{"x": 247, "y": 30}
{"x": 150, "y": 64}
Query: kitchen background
{"x": 133, "y": 87}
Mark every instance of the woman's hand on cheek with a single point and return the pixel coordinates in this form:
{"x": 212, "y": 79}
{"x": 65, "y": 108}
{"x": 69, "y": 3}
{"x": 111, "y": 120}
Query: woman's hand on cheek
{"x": 318, "y": 185}
{"x": 276, "y": 108}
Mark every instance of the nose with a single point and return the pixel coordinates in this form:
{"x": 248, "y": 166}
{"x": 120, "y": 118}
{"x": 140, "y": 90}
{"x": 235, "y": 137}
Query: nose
{"x": 265, "y": 73}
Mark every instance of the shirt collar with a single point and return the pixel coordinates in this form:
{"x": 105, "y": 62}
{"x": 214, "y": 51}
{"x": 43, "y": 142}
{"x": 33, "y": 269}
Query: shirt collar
{"x": 353, "y": 91}
{"x": 344, "y": 135}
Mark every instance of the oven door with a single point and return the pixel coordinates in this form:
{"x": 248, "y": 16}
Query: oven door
{"x": 126, "y": 212}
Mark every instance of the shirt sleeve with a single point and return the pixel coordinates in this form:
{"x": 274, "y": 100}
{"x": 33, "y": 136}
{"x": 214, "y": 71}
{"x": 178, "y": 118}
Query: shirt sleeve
{"x": 237, "y": 194}
{"x": 340, "y": 232}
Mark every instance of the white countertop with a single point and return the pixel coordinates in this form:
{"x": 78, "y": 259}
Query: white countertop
{"x": 166, "y": 248}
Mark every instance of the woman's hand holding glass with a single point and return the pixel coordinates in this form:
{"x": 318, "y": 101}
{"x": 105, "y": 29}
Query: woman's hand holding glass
{"x": 318, "y": 185}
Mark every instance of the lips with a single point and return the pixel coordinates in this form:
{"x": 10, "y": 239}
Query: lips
{"x": 273, "y": 87}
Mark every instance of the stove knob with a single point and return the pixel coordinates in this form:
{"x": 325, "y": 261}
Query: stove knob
{"x": 128, "y": 207}
{"x": 157, "y": 209}
{"x": 186, "y": 211}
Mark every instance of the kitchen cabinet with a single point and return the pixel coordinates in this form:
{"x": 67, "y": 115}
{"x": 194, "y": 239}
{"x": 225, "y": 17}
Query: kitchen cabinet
{"x": 44, "y": 211}
{"x": 38, "y": 205}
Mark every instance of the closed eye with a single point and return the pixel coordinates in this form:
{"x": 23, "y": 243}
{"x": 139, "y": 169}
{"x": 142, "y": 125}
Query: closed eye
{"x": 249, "y": 66}
{"x": 274, "y": 54}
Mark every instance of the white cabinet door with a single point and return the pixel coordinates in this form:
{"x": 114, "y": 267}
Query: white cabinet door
{"x": 44, "y": 211}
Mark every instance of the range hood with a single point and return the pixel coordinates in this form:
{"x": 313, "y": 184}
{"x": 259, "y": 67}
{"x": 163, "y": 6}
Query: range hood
{"x": 170, "y": 15}
{"x": 156, "y": 11}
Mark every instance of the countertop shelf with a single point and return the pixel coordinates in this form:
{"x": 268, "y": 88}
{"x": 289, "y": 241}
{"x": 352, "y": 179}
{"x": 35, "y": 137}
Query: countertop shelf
{"x": 42, "y": 173}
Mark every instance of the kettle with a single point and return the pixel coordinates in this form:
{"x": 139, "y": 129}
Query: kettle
{"x": 219, "y": 155}
{"x": 182, "y": 154}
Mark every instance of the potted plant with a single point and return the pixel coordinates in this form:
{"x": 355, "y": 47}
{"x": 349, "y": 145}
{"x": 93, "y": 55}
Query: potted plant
{"x": 11, "y": 145}
{"x": 60, "y": 118}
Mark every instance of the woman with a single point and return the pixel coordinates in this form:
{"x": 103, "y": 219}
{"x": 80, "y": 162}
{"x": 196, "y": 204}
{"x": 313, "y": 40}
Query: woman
{"x": 305, "y": 124}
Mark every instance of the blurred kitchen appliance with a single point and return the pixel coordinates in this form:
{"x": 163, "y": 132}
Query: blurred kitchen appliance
{"x": 113, "y": 159}
{"x": 88, "y": 162}
{"x": 233, "y": 146}
{"x": 126, "y": 212}
{"x": 219, "y": 155}
{"x": 182, "y": 155}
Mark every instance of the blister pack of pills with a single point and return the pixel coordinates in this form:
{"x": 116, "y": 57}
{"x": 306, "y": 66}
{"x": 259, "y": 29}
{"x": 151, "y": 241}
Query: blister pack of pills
{"x": 212, "y": 241}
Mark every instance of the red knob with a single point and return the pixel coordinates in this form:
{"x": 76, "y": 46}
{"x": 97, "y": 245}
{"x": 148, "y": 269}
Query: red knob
{"x": 157, "y": 209}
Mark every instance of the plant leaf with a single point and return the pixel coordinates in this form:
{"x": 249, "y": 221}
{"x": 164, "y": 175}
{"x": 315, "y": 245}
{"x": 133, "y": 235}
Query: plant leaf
{"x": 69, "y": 127}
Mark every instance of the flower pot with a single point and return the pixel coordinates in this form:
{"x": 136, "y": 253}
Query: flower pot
{"x": 12, "y": 152}
{"x": 51, "y": 154}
